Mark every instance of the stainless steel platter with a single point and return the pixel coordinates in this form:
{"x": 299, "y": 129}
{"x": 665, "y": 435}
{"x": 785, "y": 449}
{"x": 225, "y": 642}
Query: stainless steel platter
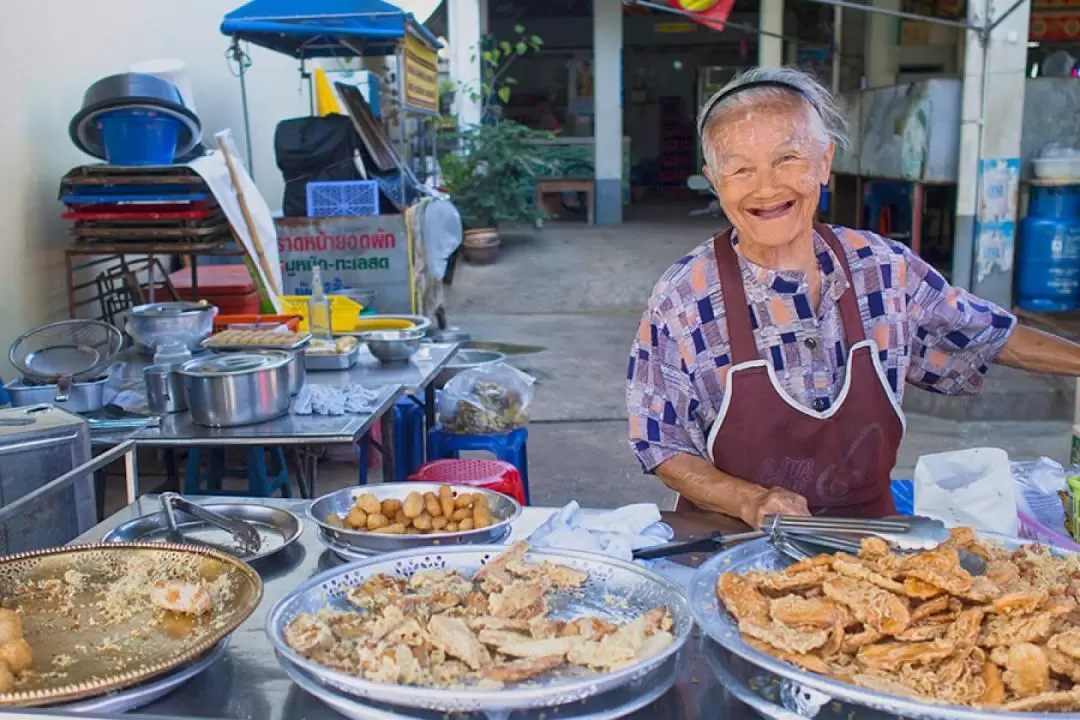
{"x": 209, "y": 344}
{"x": 616, "y": 591}
{"x": 277, "y": 529}
{"x": 504, "y": 510}
{"x": 324, "y": 361}
{"x": 140, "y": 695}
{"x": 611, "y": 704}
{"x": 349, "y": 554}
{"x": 717, "y": 623}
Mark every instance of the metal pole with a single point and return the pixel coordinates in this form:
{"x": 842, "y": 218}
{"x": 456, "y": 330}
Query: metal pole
{"x": 837, "y": 34}
{"x": 899, "y": 14}
{"x": 991, "y": 26}
{"x": 242, "y": 63}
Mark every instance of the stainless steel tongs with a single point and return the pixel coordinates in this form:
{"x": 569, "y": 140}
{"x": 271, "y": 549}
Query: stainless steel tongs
{"x": 244, "y": 533}
{"x": 905, "y": 533}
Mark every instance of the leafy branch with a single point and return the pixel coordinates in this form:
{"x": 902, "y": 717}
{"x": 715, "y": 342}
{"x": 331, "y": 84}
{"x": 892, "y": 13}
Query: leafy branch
{"x": 495, "y": 61}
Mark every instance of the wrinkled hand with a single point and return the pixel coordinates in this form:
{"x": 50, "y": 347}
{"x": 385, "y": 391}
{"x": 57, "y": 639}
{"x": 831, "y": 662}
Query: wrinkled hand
{"x": 773, "y": 501}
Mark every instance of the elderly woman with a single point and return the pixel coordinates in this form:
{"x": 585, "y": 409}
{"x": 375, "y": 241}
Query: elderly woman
{"x": 769, "y": 368}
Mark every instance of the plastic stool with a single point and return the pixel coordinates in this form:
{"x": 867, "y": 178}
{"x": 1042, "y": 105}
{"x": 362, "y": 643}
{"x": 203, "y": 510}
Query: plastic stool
{"x": 511, "y": 448}
{"x": 903, "y": 495}
{"x": 260, "y": 484}
{"x": 363, "y": 456}
{"x": 490, "y": 474}
{"x": 408, "y": 437}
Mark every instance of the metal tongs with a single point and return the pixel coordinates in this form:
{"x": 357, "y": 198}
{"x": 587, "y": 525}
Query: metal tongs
{"x": 244, "y": 533}
{"x": 904, "y": 533}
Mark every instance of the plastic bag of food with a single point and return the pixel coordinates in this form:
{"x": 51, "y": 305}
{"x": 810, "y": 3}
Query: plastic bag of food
{"x": 489, "y": 399}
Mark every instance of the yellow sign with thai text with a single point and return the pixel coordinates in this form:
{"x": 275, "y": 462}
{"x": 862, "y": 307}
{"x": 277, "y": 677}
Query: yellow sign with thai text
{"x": 419, "y": 77}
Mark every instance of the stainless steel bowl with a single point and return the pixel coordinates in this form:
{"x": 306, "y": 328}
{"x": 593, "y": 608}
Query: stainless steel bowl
{"x": 186, "y": 322}
{"x": 81, "y": 397}
{"x": 503, "y": 508}
{"x": 238, "y": 388}
{"x": 393, "y": 346}
{"x": 466, "y": 359}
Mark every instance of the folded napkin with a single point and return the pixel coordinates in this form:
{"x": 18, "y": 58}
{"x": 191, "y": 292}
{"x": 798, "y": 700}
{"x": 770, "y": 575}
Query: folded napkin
{"x": 332, "y": 400}
{"x": 615, "y": 533}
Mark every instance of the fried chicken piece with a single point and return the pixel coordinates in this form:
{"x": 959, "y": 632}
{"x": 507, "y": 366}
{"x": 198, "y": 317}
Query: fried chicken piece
{"x": 307, "y": 634}
{"x": 487, "y": 622}
{"x": 390, "y": 619}
{"x": 1059, "y": 605}
{"x": 437, "y": 582}
{"x": 452, "y": 636}
{"x": 1067, "y": 642}
{"x": 476, "y": 604}
{"x": 873, "y": 548}
{"x": 1002, "y": 630}
{"x": 808, "y": 564}
{"x": 589, "y": 628}
{"x": 741, "y": 598}
{"x": 873, "y": 606}
{"x": 817, "y": 613}
{"x": 519, "y": 670}
{"x": 994, "y": 692}
{"x": 924, "y": 632}
{"x": 964, "y": 631}
{"x": 541, "y": 628}
{"x": 347, "y": 626}
{"x": 860, "y": 639}
{"x": 805, "y": 661}
{"x": 783, "y": 637}
{"x": 495, "y": 638}
{"x": 847, "y": 565}
{"x": 930, "y": 607}
{"x": 612, "y": 651}
{"x": 961, "y": 676}
{"x": 920, "y": 590}
{"x": 181, "y": 597}
{"x": 835, "y": 643}
{"x": 794, "y": 582}
{"x": 1022, "y": 601}
{"x": 1062, "y": 664}
{"x": 893, "y": 655}
{"x": 378, "y": 591}
{"x": 496, "y": 569}
{"x": 539, "y": 648}
{"x": 1002, "y": 572}
{"x": 1047, "y": 702}
{"x": 551, "y": 574}
{"x": 1027, "y": 671}
{"x": 521, "y": 600}
{"x": 982, "y": 591}
{"x": 961, "y": 537}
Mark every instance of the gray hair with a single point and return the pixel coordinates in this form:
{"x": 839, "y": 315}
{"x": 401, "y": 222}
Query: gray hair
{"x": 773, "y": 84}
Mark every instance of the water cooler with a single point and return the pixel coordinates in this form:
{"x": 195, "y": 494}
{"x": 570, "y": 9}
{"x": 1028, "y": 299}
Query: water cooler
{"x": 1048, "y": 278}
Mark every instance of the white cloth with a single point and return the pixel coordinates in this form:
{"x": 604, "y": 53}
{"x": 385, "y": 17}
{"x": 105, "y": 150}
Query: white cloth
{"x": 615, "y": 533}
{"x": 331, "y": 400}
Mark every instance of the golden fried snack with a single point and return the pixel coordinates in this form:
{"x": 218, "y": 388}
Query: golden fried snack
{"x": 465, "y": 524}
{"x": 920, "y": 590}
{"x": 390, "y": 507}
{"x": 1020, "y": 602}
{"x": 464, "y": 500}
{"x": 446, "y": 500}
{"x": 994, "y": 693}
{"x": 854, "y": 568}
{"x": 893, "y": 655}
{"x": 391, "y": 529}
{"x": 461, "y": 513}
{"x": 439, "y": 523}
{"x": 784, "y": 638}
{"x": 807, "y": 662}
{"x": 742, "y": 599}
{"x": 810, "y": 613}
{"x": 356, "y": 519}
{"x": 1060, "y": 701}
{"x": 1027, "y": 671}
{"x": 872, "y": 605}
{"x": 432, "y": 504}
{"x": 335, "y": 520}
{"x": 17, "y": 654}
{"x": 1003, "y": 631}
{"x": 369, "y": 503}
{"x": 965, "y": 630}
{"x": 930, "y": 607}
{"x": 413, "y": 505}
{"x": 422, "y": 521}
{"x": 10, "y": 626}
{"x": 481, "y": 518}
{"x": 376, "y": 521}
{"x": 7, "y": 678}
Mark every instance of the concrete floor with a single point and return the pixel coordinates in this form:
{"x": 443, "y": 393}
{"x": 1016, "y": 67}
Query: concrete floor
{"x": 578, "y": 292}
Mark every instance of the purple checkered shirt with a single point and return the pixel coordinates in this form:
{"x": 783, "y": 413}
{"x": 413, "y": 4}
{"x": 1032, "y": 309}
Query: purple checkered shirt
{"x": 935, "y": 336}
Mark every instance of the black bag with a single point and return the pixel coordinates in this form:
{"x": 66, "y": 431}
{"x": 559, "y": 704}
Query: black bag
{"x": 314, "y": 149}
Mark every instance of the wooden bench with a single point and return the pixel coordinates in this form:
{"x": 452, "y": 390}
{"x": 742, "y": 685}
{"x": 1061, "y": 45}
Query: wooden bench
{"x": 551, "y": 186}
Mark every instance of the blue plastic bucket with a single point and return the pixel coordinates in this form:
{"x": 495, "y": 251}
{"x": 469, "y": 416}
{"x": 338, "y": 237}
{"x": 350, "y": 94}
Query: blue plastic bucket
{"x": 136, "y": 136}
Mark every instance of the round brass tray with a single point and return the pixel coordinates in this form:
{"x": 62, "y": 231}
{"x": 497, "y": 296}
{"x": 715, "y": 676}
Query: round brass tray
{"x": 87, "y": 615}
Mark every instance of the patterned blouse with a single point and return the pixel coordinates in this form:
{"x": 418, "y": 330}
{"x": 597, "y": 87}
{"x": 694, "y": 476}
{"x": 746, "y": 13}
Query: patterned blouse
{"x": 928, "y": 333}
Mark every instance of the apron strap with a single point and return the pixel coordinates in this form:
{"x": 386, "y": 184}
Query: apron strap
{"x": 736, "y": 310}
{"x": 854, "y": 332}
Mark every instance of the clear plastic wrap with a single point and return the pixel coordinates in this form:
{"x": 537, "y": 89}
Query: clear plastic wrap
{"x": 492, "y": 398}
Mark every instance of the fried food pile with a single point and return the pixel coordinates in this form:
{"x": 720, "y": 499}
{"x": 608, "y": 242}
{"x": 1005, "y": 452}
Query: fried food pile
{"x": 923, "y": 627}
{"x": 340, "y": 346}
{"x": 254, "y": 338}
{"x": 440, "y": 628}
{"x": 417, "y": 514}
{"x": 16, "y": 655}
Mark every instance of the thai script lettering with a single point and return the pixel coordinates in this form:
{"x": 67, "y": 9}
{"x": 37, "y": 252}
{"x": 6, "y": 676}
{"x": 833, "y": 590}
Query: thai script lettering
{"x": 322, "y": 242}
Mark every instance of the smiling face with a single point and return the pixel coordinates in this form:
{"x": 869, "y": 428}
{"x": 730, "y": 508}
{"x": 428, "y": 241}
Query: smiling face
{"x": 767, "y": 161}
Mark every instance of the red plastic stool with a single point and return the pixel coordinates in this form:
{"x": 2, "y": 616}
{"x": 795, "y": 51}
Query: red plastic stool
{"x": 489, "y": 474}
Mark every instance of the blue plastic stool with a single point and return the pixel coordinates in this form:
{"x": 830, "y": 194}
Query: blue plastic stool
{"x": 257, "y": 472}
{"x": 363, "y": 456}
{"x": 408, "y": 442}
{"x": 511, "y": 448}
{"x": 903, "y": 495}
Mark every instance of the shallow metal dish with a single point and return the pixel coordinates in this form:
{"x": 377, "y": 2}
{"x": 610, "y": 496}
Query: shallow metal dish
{"x": 277, "y": 529}
{"x": 761, "y": 556}
{"x": 504, "y": 510}
{"x": 149, "y": 644}
{"x": 140, "y": 695}
{"x": 323, "y": 361}
{"x": 611, "y": 704}
{"x": 82, "y": 397}
{"x": 393, "y": 346}
{"x": 187, "y": 322}
{"x": 616, "y": 591}
{"x": 348, "y": 554}
{"x": 302, "y": 342}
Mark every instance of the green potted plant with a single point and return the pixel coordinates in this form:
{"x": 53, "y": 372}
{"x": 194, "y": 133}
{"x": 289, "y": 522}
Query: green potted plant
{"x": 485, "y": 175}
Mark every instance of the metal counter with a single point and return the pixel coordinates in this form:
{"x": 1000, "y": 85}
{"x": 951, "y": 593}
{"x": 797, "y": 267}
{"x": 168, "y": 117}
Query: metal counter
{"x": 248, "y": 684}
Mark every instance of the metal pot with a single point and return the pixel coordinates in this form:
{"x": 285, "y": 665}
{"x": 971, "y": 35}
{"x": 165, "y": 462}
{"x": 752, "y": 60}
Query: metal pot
{"x": 241, "y": 388}
{"x": 164, "y": 389}
{"x": 467, "y": 360}
{"x": 298, "y": 370}
{"x": 186, "y": 322}
{"x": 81, "y": 397}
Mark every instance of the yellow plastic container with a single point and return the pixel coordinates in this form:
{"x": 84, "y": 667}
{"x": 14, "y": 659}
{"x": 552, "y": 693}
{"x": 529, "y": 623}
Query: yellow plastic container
{"x": 369, "y": 324}
{"x": 344, "y": 311}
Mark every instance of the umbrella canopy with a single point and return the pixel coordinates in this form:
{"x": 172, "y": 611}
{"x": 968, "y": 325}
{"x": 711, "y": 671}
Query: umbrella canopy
{"x": 325, "y": 28}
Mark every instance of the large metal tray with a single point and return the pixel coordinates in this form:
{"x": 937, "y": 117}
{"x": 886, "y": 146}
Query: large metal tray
{"x": 611, "y": 704}
{"x": 348, "y": 554}
{"x": 504, "y": 510}
{"x": 59, "y": 621}
{"x": 301, "y": 343}
{"x": 717, "y": 623}
{"x": 617, "y": 591}
{"x": 277, "y": 529}
{"x": 325, "y": 361}
{"x": 140, "y": 695}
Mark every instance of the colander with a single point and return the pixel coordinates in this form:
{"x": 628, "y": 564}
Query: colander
{"x": 66, "y": 350}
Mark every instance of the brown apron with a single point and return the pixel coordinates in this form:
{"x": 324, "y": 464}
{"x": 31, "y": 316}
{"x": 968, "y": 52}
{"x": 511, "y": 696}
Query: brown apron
{"x": 838, "y": 459}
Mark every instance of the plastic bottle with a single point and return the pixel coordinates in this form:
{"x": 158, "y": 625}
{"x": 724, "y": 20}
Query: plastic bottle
{"x": 319, "y": 308}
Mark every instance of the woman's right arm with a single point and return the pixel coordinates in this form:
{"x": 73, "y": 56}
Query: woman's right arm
{"x": 699, "y": 481}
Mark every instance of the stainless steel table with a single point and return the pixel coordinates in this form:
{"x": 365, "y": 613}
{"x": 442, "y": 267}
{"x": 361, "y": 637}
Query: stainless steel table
{"x": 248, "y": 684}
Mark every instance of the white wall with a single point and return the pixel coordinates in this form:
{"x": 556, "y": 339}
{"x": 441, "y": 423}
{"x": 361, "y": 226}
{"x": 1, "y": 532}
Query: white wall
{"x": 51, "y": 51}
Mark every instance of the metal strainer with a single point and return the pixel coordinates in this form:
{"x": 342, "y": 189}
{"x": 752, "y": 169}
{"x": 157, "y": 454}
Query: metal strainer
{"x": 68, "y": 349}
